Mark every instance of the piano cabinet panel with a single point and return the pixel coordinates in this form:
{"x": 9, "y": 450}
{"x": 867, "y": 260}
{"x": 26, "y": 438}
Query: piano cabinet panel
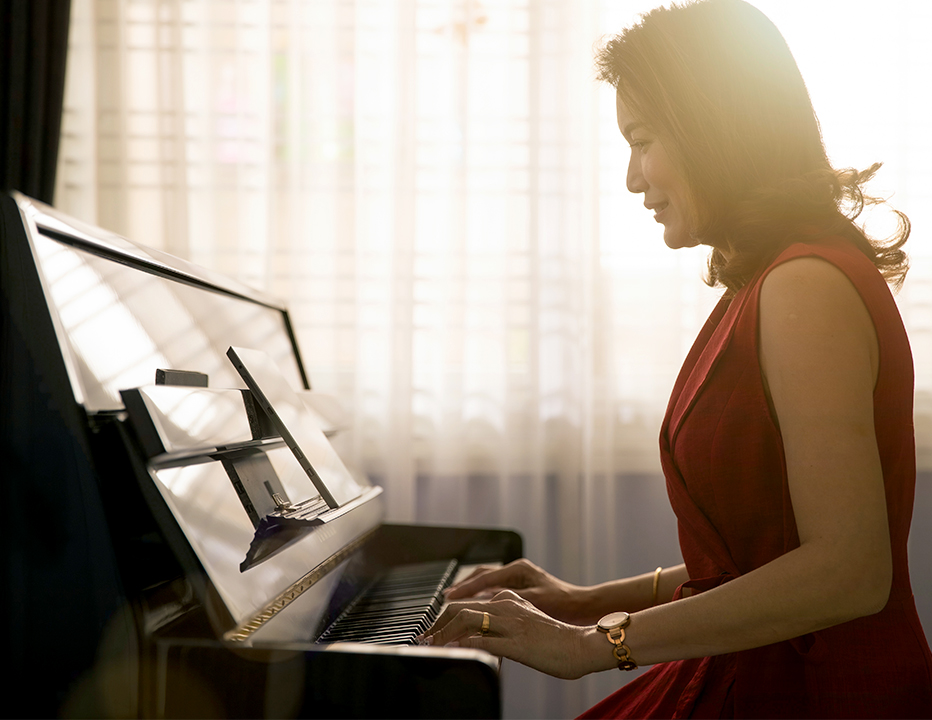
{"x": 206, "y": 679}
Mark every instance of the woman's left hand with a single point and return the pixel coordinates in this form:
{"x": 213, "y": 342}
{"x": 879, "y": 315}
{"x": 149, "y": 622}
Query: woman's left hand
{"x": 516, "y": 630}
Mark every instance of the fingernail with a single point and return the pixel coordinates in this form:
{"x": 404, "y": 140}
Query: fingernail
{"x": 424, "y": 640}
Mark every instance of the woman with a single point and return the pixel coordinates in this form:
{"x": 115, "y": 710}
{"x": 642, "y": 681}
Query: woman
{"x": 787, "y": 445}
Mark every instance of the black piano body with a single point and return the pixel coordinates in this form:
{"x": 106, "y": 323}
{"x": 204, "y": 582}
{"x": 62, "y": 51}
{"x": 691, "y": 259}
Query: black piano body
{"x": 137, "y": 581}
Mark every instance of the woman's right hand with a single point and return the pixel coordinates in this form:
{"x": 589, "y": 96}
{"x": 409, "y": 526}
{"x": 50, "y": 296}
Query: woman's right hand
{"x": 559, "y": 599}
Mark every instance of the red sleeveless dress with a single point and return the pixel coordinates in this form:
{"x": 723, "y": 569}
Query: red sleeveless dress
{"x": 723, "y": 459}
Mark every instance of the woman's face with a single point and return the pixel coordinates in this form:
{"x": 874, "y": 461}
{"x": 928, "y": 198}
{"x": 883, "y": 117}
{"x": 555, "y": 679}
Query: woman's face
{"x": 651, "y": 172}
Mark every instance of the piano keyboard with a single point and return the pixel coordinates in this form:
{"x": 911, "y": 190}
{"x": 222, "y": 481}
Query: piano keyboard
{"x": 397, "y": 607}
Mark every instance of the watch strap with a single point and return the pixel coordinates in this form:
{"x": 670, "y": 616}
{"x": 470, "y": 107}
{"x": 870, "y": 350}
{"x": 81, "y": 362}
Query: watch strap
{"x": 615, "y": 633}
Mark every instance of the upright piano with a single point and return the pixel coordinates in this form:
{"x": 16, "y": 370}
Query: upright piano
{"x": 166, "y": 553}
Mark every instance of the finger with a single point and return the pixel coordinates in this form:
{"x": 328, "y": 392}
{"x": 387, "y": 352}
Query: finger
{"x": 469, "y": 580}
{"x": 480, "y": 570}
{"x": 451, "y": 611}
{"x": 462, "y": 625}
{"x": 512, "y": 575}
{"x": 461, "y": 592}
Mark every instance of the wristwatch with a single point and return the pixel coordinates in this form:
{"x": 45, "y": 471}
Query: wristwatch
{"x": 613, "y": 625}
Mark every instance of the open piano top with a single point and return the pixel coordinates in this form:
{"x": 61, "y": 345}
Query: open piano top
{"x": 169, "y": 554}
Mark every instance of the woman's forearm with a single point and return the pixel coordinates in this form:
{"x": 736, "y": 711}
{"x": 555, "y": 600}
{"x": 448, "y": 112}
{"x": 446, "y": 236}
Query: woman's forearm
{"x": 802, "y": 591}
{"x": 629, "y": 594}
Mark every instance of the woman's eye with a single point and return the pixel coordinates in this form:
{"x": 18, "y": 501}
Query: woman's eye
{"x": 639, "y": 144}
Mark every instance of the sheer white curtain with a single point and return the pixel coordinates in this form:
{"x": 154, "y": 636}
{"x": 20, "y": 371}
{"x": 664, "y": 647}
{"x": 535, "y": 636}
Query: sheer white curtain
{"x": 436, "y": 187}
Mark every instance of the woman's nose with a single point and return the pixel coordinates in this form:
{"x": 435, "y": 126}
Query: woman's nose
{"x": 635, "y": 179}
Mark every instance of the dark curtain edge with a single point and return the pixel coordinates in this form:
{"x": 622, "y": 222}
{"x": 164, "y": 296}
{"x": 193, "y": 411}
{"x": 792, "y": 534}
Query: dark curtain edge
{"x": 34, "y": 38}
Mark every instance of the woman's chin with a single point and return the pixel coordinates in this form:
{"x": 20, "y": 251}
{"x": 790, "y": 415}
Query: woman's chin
{"x": 677, "y": 240}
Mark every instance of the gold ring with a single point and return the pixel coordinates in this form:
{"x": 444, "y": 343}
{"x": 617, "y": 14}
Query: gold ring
{"x": 484, "y": 630}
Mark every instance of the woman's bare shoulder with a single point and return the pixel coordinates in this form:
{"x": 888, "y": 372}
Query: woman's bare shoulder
{"x": 813, "y": 290}
{"x": 816, "y": 333}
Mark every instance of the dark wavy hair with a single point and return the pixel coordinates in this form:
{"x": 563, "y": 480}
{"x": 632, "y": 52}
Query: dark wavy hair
{"x": 715, "y": 80}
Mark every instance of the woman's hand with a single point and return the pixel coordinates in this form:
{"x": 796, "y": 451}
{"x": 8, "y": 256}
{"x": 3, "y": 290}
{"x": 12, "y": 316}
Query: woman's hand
{"x": 521, "y": 632}
{"x": 558, "y": 599}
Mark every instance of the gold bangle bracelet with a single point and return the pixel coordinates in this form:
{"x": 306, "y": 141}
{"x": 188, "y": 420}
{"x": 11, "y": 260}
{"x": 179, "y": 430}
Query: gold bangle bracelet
{"x": 653, "y": 599}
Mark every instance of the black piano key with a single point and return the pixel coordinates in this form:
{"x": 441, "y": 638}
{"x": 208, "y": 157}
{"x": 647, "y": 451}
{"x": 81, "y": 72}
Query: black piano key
{"x": 354, "y": 633}
{"x": 374, "y": 636}
{"x": 406, "y": 589}
{"x": 376, "y": 627}
{"x": 374, "y": 619}
{"x": 396, "y": 608}
{"x": 379, "y": 634}
{"x": 375, "y": 622}
{"x": 387, "y": 606}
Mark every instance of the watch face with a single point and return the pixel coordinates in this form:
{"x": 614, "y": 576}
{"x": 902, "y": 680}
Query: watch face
{"x": 613, "y": 620}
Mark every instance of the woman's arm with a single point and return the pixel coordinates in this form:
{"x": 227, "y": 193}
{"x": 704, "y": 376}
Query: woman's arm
{"x": 819, "y": 359}
{"x": 633, "y": 593}
{"x": 574, "y": 604}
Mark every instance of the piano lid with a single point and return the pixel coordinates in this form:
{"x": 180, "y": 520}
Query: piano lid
{"x": 122, "y": 311}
